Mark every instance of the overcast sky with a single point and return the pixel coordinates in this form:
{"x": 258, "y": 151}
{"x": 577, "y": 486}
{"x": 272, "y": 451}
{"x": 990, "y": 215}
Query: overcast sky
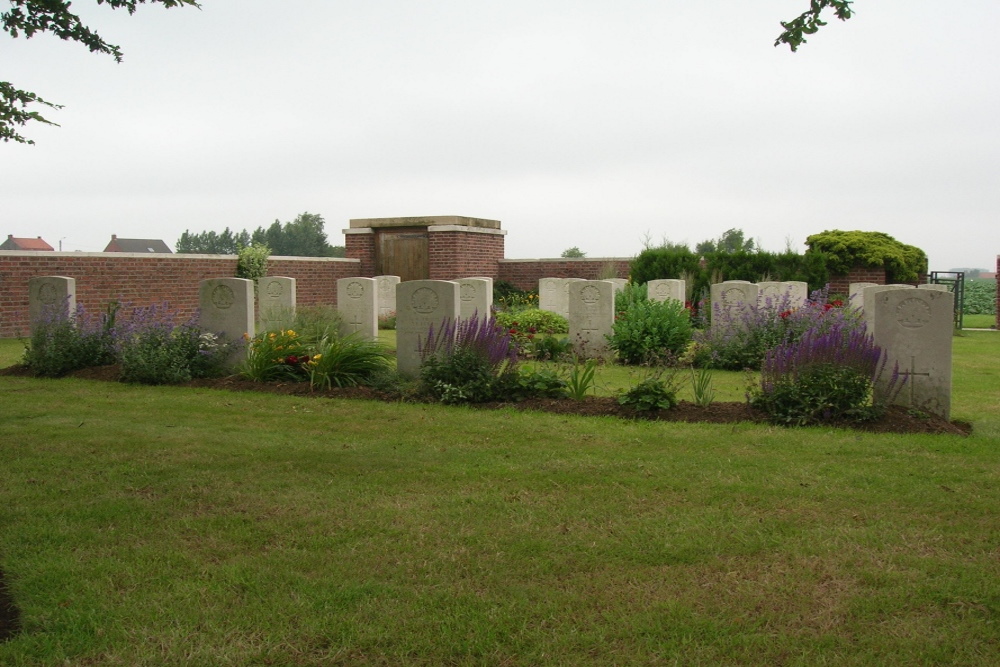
{"x": 575, "y": 123}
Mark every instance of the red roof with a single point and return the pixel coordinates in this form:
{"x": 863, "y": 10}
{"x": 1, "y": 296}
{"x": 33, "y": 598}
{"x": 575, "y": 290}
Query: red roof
{"x": 25, "y": 244}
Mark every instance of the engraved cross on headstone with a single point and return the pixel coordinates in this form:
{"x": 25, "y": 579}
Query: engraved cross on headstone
{"x": 910, "y": 377}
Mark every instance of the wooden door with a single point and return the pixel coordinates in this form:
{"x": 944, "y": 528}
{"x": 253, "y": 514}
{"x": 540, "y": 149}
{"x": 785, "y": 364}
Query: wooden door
{"x": 403, "y": 253}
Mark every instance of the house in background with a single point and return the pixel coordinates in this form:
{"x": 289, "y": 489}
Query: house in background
{"x": 136, "y": 245}
{"x": 24, "y": 244}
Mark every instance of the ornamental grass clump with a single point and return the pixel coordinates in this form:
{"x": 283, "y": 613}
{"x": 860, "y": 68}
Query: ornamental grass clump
{"x": 829, "y": 374}
{"x": 469, "y": 361}
{"x": 346, "y": 362}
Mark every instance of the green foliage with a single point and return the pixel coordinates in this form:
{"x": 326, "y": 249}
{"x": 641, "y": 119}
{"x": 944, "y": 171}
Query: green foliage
{"x": 980, "y": 297}
{"x": 650, "y": 329}
{"x": 387, "y": 322}
{"x": 30, "y": 17}
{"x": 701, "y": 387}
{"x": 277, "y": 355}
{"x": 538, "y": 383}
{"x": 573, "y": 253}
{"x": 507, "y": 297}
{"x": 251, "y": 261}
{"x": 546, "y": 348}
{"x": 60, "y": 343}
{"x": 302, "y": 237}
{"x": 731, "y": 241}
{"x": 846, "y": 250}
{"x": 465, "y": 376}
{"x": 581, "y": 378}
{"x": 629, "y": 295}
{"x": 653, "y": 393}
{"x": 347, "y": 362}
{"x": 820, "y": 394}
{"x": 157, "y": 355}
{"x": 678, "y": 262}
{"x": 314, "y": 323}
{"x": 809, "y": 21}
{"x": 525, "y": 324}
{"x": 212, "y": 243}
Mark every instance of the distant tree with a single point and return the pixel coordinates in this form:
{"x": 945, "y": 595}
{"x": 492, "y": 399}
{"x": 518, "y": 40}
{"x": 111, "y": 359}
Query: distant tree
{"x": 212, "y": 243}
{"x": 731, "y": 241}
{"x": 28, "y": 17}
{"x": 573, "y": 252}
{"x": 302, "y": 237}
{"x": 809, "y": 21}
{"x": 338, "y": 251}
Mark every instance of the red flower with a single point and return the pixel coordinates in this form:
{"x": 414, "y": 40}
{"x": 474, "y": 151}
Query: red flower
{"x": 785, "y": 314}
{"x": 837, "y": 303}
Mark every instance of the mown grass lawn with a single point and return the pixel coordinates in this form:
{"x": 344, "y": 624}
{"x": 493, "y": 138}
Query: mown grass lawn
{"x": 179, "y": 526}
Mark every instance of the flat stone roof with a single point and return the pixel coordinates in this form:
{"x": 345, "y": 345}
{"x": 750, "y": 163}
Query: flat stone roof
{"x": 425, "y": 221}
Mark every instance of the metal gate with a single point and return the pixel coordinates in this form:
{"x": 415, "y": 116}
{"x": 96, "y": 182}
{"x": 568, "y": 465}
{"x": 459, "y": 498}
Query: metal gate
{"x": 955, "y": 281}
{"x": 403, "y": 253}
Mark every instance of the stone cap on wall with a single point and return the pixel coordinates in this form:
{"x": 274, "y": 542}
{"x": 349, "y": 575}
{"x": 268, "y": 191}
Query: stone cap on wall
{"x": 424, "y": 221}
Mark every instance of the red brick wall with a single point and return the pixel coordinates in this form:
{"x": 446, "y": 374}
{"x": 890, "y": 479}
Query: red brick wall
{"x": 457, "y": 254}
{"x": 149, "y": 279}
{"x": 841, "y": 284}
{"x": 525, "y": 273}
{"x": 362, "y": 248}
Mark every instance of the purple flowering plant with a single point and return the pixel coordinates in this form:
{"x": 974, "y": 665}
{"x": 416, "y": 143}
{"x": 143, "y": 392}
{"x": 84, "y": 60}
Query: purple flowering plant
{"x": 829, "y": 373}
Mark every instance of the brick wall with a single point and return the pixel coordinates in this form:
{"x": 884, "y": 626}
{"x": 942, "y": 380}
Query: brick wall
{"x": 841, "y": 284}
{"x": 362, "y": 248}
{"x": 525, "y": 273}
{"x": 456, "y": 254}
{"x": 143, "y": 279}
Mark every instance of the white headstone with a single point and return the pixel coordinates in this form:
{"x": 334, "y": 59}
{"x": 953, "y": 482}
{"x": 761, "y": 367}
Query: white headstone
{"x": 357, "y": 304}
{"x": 226, "y": 307}
{"x": 619, "y": 283}
{"x": 788, "y": 294}
{"x": 934, "y": 286}
{"x": 50, "y": 297}
{"x": 661, "y": 290}
{"x": 421, "y": 304}
{"x": 915, "y": 327}
{"x": 868, "y": 295}
{"x": 856, "y": 294}
{"x": 591, "y": 316}
{"x": 387, "y": 295}
{"x": 732, "y": 298}
{"x": 275, "y": 303}
{"x": 553, "y": 294}
{"x": 475, "y": 297}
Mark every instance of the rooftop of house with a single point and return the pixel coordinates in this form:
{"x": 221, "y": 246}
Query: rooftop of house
{"x": 136, "y": 245}
{"x": 24, "y": 244}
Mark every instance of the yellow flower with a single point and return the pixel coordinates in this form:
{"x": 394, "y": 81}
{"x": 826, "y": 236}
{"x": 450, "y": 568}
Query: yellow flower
{"x": 317, "y": 357}
{"x": 291, "y": 333}
{"x": 272, "y": 336}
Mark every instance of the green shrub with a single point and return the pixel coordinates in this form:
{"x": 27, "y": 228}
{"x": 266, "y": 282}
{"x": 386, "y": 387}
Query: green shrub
{"x": 847, "y": 250}
{"x": 526, "y": 325}
{"x": 543, "y": 383}
{"x": 824, "y": 376}
{"x": 581, "y": 378}
{"x": 546, "y": 348}
{"x": 650, "y": 329}
{"x": 152, "y": 349}
{"x": 471, "y": 361}
{"x": 509, "y": 297}
{"x": 653, "y": 393}
{"x": 314, "y": 323}
{"x": 60, "y": 343}
{"x": 251, "y": 261}
{"x": 387, "y": 321}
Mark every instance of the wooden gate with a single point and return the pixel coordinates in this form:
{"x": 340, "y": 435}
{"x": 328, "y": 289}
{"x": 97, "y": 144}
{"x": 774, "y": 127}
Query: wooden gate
{"x": 403, "y": 253}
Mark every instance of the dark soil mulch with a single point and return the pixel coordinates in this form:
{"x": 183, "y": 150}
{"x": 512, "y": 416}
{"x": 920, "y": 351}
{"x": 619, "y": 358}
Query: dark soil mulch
{"x": 896, "y": 420}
